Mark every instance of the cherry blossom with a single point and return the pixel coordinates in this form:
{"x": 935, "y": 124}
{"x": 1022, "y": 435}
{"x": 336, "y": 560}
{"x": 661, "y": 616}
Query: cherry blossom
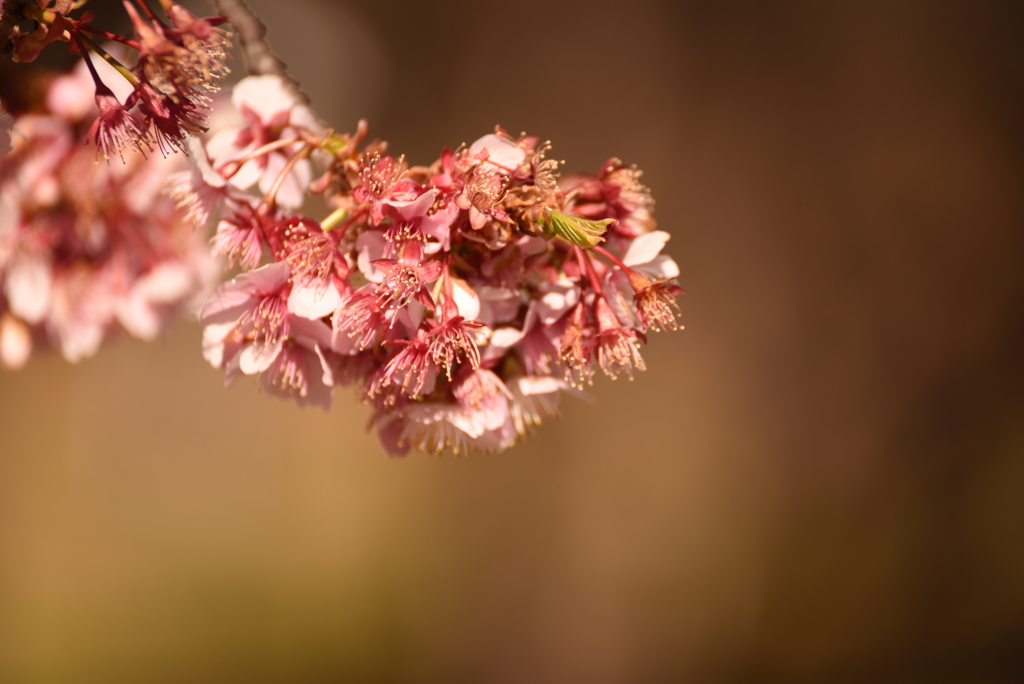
{"x": 463, "y": 298}
{"x": 86, "y": 248}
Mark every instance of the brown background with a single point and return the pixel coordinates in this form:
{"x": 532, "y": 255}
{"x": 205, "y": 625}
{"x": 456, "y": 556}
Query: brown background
{"x": 820, "y": 480}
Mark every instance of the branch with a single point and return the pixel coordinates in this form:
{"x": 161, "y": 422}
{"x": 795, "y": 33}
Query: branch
{"x": 252, "y": 34}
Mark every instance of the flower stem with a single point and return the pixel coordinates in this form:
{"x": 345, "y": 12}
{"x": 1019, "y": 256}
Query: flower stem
{"x": 612, "y": 258}
{"x": 133, "y": 44}
{"x": 258, "y": 152}
{"x": 270, "y": 199}
{"x": 121, "y": 68}
{"x": 335, "y": 219}
{"x": 585, "y": 265}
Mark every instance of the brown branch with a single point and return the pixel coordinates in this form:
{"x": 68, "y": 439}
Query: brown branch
{"x": 252, "y": 34}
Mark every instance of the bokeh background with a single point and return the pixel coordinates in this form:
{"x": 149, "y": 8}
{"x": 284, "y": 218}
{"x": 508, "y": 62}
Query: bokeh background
{"x": 820, "y": 480}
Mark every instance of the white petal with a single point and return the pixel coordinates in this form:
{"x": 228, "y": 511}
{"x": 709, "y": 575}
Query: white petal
{"x": 465, "y": 299}
{"x": 15, "y": 343}
{"x": 197, "y": 156}
{"x": 256, "y": 358}
{"x": 264, "y": 95}
{"x": 137, "y": 317}
{"x": 314, "y": 302}
{"x": 660, "y": 268}
{"x": 81, "y": 339}
{"x": 645, "y": 248}
{"x": 213, "y": 342}
{"x": 221, "y": 147}
{"x": 167, "y": 283}
{"x": 370, "y": 246}
{"x": 544, "y": 384}
{"x": 28, "y": 288}
{"x": 557, "y": 299}
{"x": 497, "y": 304}
{"x": 504, "y": 338}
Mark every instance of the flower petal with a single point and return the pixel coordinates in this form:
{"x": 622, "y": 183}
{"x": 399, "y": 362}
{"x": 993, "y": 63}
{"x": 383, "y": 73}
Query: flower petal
{"x": 28, "y": 288}
{"x": 314, "y": 302}
{"x": 500, "y": 151}
{"x": 256, "y": 358}
{"x": 645, "y": 248}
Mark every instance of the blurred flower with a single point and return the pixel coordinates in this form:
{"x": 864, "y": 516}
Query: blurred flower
{"x": 85, "y": 247}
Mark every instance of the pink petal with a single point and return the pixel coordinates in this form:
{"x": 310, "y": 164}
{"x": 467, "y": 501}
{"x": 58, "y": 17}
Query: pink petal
{"x": 309, "y": 333}
{"x": 228, "y": 301}
{"x": 500, "y": 151}
{"x": 264, "y": 95}
{"x": 416, "y": 207}
{"x": 430, "y": 271}
{"x": 438, "y": 225}
{"x": 370, "y": 246}
{"x": 292, "y": 192}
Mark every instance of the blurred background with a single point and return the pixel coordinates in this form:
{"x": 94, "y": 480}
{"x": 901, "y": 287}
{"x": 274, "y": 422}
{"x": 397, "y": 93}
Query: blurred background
{"x": 820, "y": 480}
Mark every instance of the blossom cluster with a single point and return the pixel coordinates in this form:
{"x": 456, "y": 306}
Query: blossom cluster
{"x": 87, "y": 248}
{"x": 162, "y": 99}
{"x": 461, "y": 299}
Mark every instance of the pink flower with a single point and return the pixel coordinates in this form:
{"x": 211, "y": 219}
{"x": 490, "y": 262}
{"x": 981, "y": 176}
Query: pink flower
{"x": 240, "y": 238}
{"x": 116, "y": 127}
{"x": 482, "y": 196}
{"x": 255, "y": 301}
{"x": 88, "y": 249}
{"x": 405, "y": 280}
{"x": 409, "y": 373}
{"x": 360, "y": 320}
{"x": 453, "y": 339}
{"x": 271, "y": 116}
{"x": 447, "y": 294}
{"x": 380, "y": 184}
{"x": 199, "y": 191}
{"x": 171, "y": 121}
{"x": 309, "y": 251}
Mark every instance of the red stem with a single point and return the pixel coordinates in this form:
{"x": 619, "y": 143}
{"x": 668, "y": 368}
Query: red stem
{"x": 145, "y": 8}
{"x": 352, "y": 219}
{"x": 270, "y": 199}
{"x": 133, "y": 44}
{"x": 585, "y": 264}
{"x": 88, "y": 59}
{"x": 612, "y": 258}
